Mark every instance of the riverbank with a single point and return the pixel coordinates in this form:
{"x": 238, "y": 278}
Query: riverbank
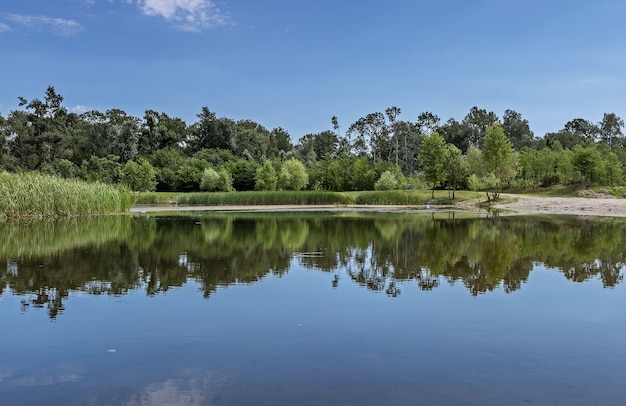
{"x": 511, "y": 205}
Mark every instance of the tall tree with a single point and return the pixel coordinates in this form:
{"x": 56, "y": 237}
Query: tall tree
{"x": 517, "y": 129}
{"x": 610, "y": 129}
{"x": 371, "y": 137}
{"x": 500, "y": 158}
{"x": 122, "y": 134}
{"x": 392, "y": 114}
{"x": 427, "y": 122}
{"x": 211, "y": 132}
{"x": 455, "y": 167}
{"x": 279, "y": 143}
{"x": 582, "y": 128}
{"x": 251, "y": 141}
{"x": 457, "y": 134}
{"x": 478, "y": 121}
{"x": 432, "y": 159}
{"x": 160, "y": 131}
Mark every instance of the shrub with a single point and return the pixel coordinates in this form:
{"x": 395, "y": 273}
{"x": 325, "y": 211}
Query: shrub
{"x": 266, "y": 178}
{"x": 216, "y": 181}
{"x": 387, "y": 181}
{"x": 139, "y": 176}
{"x": 293, "y": 175}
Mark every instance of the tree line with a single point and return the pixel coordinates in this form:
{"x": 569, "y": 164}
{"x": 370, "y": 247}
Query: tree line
{"x": 378, "y": 151}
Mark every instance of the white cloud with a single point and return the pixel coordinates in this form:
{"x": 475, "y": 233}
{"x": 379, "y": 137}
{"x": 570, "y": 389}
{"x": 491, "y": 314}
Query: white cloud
{"x": 79, "y": 109}
{"x": 188, "y": 15}
{"x": 4, "y": 27}
{"x": 58, "y": 26}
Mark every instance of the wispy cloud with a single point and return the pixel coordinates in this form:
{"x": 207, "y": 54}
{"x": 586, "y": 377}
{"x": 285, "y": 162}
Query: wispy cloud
{"x": 79, "y": 109}
{"x": 57, "y": 26}
{"x": 188, "y": 15}
{"x": 4, "y": 27}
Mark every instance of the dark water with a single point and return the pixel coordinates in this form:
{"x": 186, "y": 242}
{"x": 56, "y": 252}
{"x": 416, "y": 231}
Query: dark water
{"x": 322, "y": 309}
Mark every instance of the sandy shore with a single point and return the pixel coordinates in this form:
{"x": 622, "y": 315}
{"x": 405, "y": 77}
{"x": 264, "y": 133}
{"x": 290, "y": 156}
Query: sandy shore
{"x": 580, "y": 206}
{"x": 516, "y": 204}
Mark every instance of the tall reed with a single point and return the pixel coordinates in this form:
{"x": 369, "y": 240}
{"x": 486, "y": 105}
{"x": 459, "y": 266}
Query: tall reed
{"x": 34, "y": 195}
{"x": 265, "y": 198}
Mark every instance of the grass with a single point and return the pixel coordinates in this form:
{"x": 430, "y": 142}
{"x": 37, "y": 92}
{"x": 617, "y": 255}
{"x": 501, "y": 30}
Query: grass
{"x": 156, "y": 198}
{"x": 34, "y": 195}
{"x": 391, "y": 197}
{"x": 265, "y": 198}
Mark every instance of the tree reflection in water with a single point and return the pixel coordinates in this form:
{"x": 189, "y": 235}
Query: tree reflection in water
{"x": 114, "y": 255}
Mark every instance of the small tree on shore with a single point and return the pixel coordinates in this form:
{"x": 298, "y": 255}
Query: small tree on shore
{"x": 293, "y": 175}
{"x": 266, "y": 178}
{"x": 431, "y": 159}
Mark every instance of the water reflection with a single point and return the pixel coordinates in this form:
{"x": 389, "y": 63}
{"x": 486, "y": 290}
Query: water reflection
{"x": 190, "y": 388}
{"x": 45, "y": 261}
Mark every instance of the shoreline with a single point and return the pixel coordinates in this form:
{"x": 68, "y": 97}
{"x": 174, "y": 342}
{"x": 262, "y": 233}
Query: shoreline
{"x": 514, "y": 205}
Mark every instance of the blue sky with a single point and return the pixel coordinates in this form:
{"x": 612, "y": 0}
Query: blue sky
{"x": 294, "y": 64}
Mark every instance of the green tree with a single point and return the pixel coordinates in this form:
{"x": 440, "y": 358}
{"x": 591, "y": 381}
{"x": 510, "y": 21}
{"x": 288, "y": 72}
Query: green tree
{"x": 610, "y": 129}
{"x": 106, "y": 169}
{"x": 139, "y": 176}
{"x": 455, "y": 167}
{"x": 216, "y": 181}
{"x": 160, "y": 131}
{"x": 432, "y": 158}
{"x": 211, "y": 132}
{"x": 478, "y": 121}
{"x": 122, "y": 134}
{"x": 279, "y": 143}
{"x": 243, "y": 172}
{"x": 499, "y": 158}
{"x": 517, "y": 129}
{"x": 387, "y": 181}
{"x": 266, "y": 178}
{"x": 587, "y": 160}
{"x": 293, "y": 175}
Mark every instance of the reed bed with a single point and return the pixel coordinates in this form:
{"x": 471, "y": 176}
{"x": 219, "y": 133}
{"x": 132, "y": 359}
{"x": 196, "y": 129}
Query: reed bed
{"x": 34, "y": 195}
{"x": 392, "y": 197}
{"x": 265, "y": 198}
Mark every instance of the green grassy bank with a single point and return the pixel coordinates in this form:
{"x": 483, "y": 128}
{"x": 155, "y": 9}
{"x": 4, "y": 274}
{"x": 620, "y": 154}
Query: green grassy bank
{"x": 40, "y": 196}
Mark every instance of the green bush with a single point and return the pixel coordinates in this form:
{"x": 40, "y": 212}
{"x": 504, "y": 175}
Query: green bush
{"x": 139, "y": 176}
{"x": 216, "y": 181}
{"x": 293, "y": 175}
{"x": 387, "y": 181}
{"x": 266, "y": 178}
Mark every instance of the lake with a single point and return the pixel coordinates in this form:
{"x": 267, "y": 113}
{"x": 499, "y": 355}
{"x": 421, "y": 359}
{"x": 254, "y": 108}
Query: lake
{"x": 313, "y": 309}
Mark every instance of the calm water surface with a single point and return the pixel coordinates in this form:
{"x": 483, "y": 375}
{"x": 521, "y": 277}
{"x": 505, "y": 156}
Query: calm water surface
{"x": 320, "y": 309}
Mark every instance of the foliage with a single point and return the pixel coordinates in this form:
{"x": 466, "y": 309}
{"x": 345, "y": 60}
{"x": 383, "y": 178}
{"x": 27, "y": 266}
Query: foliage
{"x": 266, "y": 178}
{"x": 216, "y": 181}
{"x": 35, "y": 195}
{"x": 432, "y": 159}
{"x": 395, "y": 197}
{"x": 500, "y": 161}
{"x": 139, "y": 176}
{"x": 387, "y": 181}
{"x": 293, "y": 175}
{"x": 456, "y": 168}
{"x": 96, "y": 146}
{"x": 265, "y": 198}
